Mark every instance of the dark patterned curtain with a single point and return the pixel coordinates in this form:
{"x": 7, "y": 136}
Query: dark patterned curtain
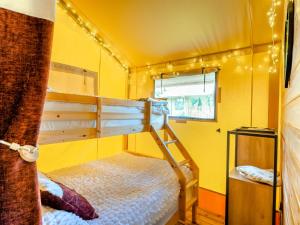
{"x": 25, "y": 44}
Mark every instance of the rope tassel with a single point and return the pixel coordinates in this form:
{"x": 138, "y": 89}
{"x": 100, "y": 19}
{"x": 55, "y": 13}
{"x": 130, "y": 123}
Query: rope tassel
{"x": 28, "y": 153}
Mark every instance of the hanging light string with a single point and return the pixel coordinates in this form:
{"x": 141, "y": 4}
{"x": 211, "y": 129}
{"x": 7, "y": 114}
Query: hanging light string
{"x": 215, "y": 60}
{"x": 252, "y": 58}
{"x": 220, "y": 58}
{"x": 273, "y": 51}
{"x": 92, "y": 31}
{"x": 193, "y": 61}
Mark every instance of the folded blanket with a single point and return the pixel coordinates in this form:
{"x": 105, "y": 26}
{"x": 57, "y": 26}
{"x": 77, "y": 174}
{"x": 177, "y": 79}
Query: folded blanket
{"x": 161, "y": 106}
{"x": 257, "y": 174}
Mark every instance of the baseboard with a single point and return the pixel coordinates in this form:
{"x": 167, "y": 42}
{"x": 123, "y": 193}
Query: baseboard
{"x": 212, "y": 201}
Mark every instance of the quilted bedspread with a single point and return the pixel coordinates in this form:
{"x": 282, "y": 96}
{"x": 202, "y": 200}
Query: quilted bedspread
{"x": 124, "y": 189}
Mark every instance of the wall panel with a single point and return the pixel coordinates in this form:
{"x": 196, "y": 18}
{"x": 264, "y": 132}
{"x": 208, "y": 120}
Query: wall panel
{"x": 291, "y": 134}
{"x": 73, "y": 46}
{"x": 207, "y": 146}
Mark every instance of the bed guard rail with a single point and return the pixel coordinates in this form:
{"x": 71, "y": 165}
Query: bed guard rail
{"x": 70, "y": 117}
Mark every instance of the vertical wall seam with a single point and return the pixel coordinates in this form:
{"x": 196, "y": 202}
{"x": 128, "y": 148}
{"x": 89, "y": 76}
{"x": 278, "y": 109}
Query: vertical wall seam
{"x": 252, "y": 59}
{"x": 99, "y": 74}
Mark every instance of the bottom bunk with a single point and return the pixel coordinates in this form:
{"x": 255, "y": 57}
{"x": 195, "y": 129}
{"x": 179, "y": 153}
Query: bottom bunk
{"x": 123, "y": 189}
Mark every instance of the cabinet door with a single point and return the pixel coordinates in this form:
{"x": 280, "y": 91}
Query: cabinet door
{"x": 249, "y": 203}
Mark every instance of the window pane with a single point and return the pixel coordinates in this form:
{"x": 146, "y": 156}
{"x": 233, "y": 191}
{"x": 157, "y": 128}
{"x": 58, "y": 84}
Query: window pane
{"x": 189, "y": 96}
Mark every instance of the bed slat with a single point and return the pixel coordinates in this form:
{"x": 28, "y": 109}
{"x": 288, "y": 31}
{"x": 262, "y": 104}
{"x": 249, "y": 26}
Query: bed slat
{"x": 71, "y": 98}
{"x": 122, "y": 102}
{"x": 113, "y": 131}
{"x": 62, "y": 115}
{"x": 48, "y": 137}
{"x": 122, "y": 116}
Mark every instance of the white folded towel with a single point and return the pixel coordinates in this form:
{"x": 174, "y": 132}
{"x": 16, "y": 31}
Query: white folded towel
{"x": 257, "y": 174}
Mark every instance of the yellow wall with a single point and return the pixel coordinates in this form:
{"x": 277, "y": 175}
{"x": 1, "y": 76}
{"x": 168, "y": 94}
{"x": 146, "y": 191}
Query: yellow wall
{"x": 206, "y": 146}
{"x": 73, "y": 46}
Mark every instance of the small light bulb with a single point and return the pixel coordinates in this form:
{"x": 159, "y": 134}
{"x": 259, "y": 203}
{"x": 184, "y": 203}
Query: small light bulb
{"x": 238, "y": 69}
{"x": 169, "y": 66}
{"x": 224, "y": 59}
{"x": 236, "y": 53}
{"x": 266, "y": 59}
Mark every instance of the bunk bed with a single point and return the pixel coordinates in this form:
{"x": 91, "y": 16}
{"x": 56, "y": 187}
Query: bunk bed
{"x": 70, "y": 117}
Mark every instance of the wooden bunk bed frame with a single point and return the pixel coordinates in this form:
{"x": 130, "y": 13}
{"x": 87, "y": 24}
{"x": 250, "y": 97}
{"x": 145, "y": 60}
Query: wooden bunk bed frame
{"x": 112, "y": 111}
{"x": 121, "y": 117}
{"x": 127, "y": 117}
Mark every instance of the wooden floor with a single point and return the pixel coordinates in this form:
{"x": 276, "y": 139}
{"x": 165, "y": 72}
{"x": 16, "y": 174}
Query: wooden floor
{"x": 207, "y": 218}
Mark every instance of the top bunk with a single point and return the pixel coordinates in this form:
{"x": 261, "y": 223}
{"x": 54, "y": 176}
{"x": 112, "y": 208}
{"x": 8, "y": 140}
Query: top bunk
{"x": 71, "y": 117}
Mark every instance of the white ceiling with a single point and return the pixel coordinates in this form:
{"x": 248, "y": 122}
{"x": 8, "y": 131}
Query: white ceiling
{"x": 153, "y": 31}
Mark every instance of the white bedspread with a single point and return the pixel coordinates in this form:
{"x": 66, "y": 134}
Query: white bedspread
{"x": 124, "y": 189}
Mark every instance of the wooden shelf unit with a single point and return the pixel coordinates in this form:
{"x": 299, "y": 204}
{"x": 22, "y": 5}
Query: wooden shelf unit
{"x": 249, "y": 202}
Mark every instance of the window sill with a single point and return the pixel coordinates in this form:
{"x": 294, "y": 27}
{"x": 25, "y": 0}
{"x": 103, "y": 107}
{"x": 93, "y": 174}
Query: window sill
{"x": 185, "y": 119}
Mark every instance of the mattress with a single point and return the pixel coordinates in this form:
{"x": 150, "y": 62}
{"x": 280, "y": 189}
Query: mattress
{"x": 124, "y": 189}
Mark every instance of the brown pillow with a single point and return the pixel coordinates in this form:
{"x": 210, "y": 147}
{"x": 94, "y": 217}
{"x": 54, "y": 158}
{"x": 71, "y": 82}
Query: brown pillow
{"x": 71, "y": 201}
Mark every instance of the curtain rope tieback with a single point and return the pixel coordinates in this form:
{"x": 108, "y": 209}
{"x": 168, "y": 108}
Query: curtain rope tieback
{"x": 28, "y": 153}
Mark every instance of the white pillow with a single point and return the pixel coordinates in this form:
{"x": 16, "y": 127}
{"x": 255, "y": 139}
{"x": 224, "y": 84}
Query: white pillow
{"x": 55, "y": 217}
{"x": 45, "y": 184}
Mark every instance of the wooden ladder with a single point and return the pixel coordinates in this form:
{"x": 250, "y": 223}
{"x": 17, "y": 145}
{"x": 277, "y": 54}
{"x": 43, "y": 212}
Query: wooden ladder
{"x": 188, "y": 197}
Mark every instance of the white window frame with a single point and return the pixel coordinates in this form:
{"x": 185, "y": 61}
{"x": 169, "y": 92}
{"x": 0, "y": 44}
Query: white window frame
{"x": 188, "y": 118}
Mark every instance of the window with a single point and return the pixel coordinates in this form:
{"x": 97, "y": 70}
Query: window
{"x": 189, "y": 97}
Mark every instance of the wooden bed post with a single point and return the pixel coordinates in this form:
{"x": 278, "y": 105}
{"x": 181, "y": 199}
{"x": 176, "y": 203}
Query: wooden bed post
{"x": 148, "y": 115}
{"x": 98, "y": 121}
{"x": 166, "y": 120}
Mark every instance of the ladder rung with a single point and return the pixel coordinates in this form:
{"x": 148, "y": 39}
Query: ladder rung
{"x": 170, "y": 142}
{"x": 184, "y": 162}
{"x": 191, "y": 202}
{"x": 191, "y": 183}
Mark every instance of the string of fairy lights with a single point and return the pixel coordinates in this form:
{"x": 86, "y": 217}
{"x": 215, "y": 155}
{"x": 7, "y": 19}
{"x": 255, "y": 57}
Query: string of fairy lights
{"x": 218, "y": 59}
{"x": 273, "y": 51}
{"x": 92, "y": 31}
{"x": 212, "y": 60}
